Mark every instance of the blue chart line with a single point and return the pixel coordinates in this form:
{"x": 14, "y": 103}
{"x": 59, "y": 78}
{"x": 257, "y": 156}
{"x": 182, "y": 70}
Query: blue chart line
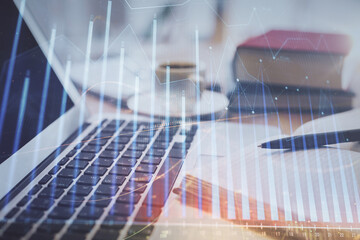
{"x": 310, "y": 190}
{"x": 333, "y": 191}
{"x": 244, "y": 185}
{"x": 214, "y": 160}
{"x": 259, "y": 195}
{"x": 46, "y": 81}
{"x": 21, "y": 114}
{"x": 299, "y": 199}
{"x": 349, "y": 216}
{"x": 230, "y": 186}
{"x": 104, "y": 63}
{"x": 285, "y": 184}
{"x": 272, "y": 191}
{"x": 198, "y": 110}
{"x": 86, "y": 75}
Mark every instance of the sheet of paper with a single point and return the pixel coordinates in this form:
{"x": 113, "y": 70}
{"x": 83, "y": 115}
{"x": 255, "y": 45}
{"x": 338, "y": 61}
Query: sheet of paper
{"x": 338, "y": 122}
{"x": 317, "y": 186}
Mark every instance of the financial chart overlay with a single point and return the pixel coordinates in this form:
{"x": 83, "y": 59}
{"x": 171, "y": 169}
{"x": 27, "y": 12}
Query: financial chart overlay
{"x": 219, "y": 182}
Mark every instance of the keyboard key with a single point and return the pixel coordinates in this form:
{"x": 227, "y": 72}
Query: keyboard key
{"x": 135, "y": 187}
{"x": 128, "y": 197}
{"x": 69, "y": 173}
{"x": 132, "y": 154}
{"x": 62, "y": 213}
{"x": 78, "y": 164}
{"x": 107, "y": 190}
{"x": 145, "y": 168}
{"x": 115, "y": 122}
{"x": 159, "y": 192}
{"x": 121, "y": 140}
{"x": 114, "y": 222}
{"x": 17, "y": 229}
{"x": 120, "y": 170}
{"x": 63, "y": 161}
{"x": 137, "y": 147}
{"x": 109, "y": 154}
{"x": 98, "y": 142}
{"x": 81, "y": 227}
{"x": 103, "y": 135}
{"x": 85, "y": 156}
{"x": 35, "y": 190}
{"x": 61, "y": 182}
{"x": 12, "y": 213}
{"x": 54, "y": 170}
{"x": 160, "y": 145}
{"x": 90, "y": 180}
{"x": 121, "y": 209}
{"x": 41, "y": 203}
{"x": 95, "y": 170}
{"x": 107, "y": 234}
{"x": 50, "y": 227}
{"x": 91, "y": 149}
{"x": 115, "y": 147}
{"x": 130, "y": 162}
{"x": 151, "y": 160}
{"x": 177, "y": 153}
{"x": 164, "y": 138}
{"x": 23, "y": 201}
{"x": 114, "y": 180}
{"x": 103, "y": 162}
{"x": 45, "y": 179}
{"x": 155, "y": 152}
{"x": 81, "y": 190}
{"x": 146, "y": 134}
{"x": 74, "y": 236}
{"x": 71, "y": 153}
{"x": 140, "y": 139}
{"x": 42, "y": 236}
{"x": 179, "y": 145}
{"x": 71, "y": 200}
{"x": 109, "y": 131}
{"x": 99, "y": 201}
{"x": 90, "y": 213}
{"x": 30, "y": 215}
{"x": 50, "y": 192}
{"x": 141, "y": 177}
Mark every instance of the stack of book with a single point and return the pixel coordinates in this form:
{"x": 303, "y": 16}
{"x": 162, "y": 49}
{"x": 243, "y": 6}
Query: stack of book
{"x": 290, "y": 70}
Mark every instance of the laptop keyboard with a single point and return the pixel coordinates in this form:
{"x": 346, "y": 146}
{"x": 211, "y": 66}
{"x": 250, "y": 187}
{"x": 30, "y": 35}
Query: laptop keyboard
{"x": 100, "y": 183}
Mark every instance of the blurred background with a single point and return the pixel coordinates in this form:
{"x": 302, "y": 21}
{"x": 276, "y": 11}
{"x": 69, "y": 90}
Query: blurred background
{"x": 221, "y": 25}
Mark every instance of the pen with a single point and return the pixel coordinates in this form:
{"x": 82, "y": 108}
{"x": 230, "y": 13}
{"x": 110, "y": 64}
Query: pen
{"x": 313, "y": 140}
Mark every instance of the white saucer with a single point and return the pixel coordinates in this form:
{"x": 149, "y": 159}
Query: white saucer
{"x": 210, "y": 102}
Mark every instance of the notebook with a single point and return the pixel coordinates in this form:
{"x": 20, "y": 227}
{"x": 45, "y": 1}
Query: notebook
{"x": 256, "y": 187}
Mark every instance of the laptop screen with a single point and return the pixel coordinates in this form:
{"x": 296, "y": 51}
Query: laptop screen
{"x": 31, "y": 95}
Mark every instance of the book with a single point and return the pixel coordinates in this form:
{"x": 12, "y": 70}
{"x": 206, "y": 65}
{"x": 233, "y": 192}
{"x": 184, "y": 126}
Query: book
{"x": 258, "y": 97}
{"x": 293, "y": 58}
{"x": 283, "y": 70}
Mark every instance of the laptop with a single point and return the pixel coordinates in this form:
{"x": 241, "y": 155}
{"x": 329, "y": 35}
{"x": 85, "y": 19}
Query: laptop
{"x": 65, "y": 174}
